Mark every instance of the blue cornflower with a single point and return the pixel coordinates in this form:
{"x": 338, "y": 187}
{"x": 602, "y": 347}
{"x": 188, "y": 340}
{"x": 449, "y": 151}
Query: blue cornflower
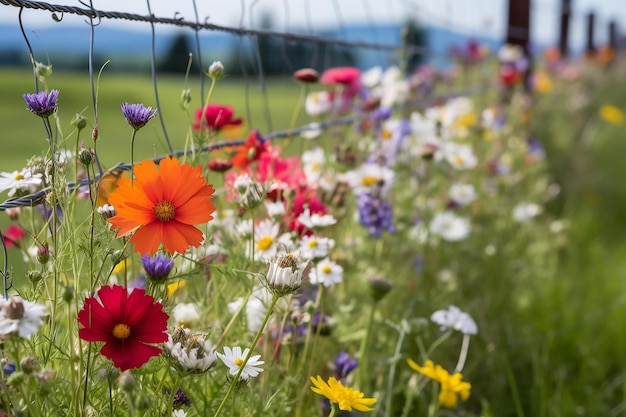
{"x": 137, "y": 115}
{"x": 9, "y": 368}
{"x": 157, "y": 268}
{"x": 375, "y": 214}
{"x": 344, "y": 364}
{"x": 42, "y": 104}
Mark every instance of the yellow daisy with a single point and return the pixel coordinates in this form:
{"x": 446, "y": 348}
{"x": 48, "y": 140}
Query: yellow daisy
{"x": 346, "y": 398}
{"x": 452, "y": 386}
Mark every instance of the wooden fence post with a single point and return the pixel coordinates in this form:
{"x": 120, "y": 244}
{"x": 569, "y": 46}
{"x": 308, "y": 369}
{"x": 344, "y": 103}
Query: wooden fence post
{"x": 590, "y": 49}
{"x": 566, "y": 7}
{"x": 518, "y": 32}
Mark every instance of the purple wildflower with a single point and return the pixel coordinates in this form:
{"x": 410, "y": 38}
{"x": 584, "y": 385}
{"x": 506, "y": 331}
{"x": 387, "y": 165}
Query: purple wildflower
{"x": 344, "y": 364}
{"x": 137, "y": 115}
{"x": 375, "y": 214}
{"x": 157, "y": 268}
{"x": 180, "y": 399}
{"x": 42, "y": 104}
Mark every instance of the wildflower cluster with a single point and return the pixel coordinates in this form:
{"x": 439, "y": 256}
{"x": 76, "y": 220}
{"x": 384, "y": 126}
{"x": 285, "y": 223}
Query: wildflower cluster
{"x": 286, "y": 266}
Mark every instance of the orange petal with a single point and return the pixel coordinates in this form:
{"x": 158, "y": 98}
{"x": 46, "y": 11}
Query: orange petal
{"x": 195, "y": 211}
{"x": 148, "y": 238}
{"x": 177, "y": 237}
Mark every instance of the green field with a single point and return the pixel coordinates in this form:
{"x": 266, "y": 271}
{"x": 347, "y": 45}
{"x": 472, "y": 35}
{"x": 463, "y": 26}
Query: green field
{"x": 26, "y": 137}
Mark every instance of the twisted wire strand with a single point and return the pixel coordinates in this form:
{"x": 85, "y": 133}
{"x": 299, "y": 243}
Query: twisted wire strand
{"x": 39, "y": 197}
{"x": 181, "y": 22}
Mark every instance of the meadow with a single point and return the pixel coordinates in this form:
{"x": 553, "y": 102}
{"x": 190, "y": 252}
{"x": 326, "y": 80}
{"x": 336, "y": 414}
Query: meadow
{"x": 545, "y": 288}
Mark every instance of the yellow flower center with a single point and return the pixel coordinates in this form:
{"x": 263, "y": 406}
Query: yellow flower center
{"x": 121, "y": 331}
{"x": 313, "y": 243}
{"x": 387, "y": 134}
{"x": 265, "y": 242}
{"x": 238, "y": 361}
{"x": 458, "y": 160}
{"x": 19, "y": 177}
{"x": 370, "y": 180}
{"x": 164, "y": 211}
{"x": 327, "y": 269}
{"x": 315, "y": 166}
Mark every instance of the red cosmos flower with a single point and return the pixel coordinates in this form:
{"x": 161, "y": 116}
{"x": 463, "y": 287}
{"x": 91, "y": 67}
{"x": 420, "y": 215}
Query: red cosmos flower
{"x": 341, "y": 75}
{"x": 125, "y": 322}
{"x": 251, "y": 150}
{"x": 215, "y": 117}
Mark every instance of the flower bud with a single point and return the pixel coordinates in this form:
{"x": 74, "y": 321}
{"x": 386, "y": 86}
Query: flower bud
{"x": 220, "y": 165}
{"x": 379, "y": 287}
{"x": 106, "y": 211}
{"x": 79, "y": 121}
{"x": 306, "y": 75}
{"x": 42, "y": 70}
{"x": 216, "y": 70}
{"x": 94, "y": 133}
{"x": 86, "y": 156}
{"x": 185, "y": 98}
{"x": 34, "y": 276}
{"x": 249, "y": 193}
{"x": 13, "y": 213}
{"x": 285, "y": 274}
{"x": 16, "y": 379}
{"x": 29, "y": 364}
{"x": 68, "y": 293}
{"x": 43, "y": 253}
{"x": 127, "y": 382}
{"x": 118, "y": 256}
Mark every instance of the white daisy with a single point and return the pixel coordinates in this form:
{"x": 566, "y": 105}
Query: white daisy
{"x": 234, "y": 358}
{"x": 318, "y": 103}
{"x": 525, "y": 212}
{"x": 267, "y": 239}
{"x": 449, "y": 226}
{"x": 370, "y": 177}
{"x": 312, "y": 164}
{"x": 462, "y": 194}
{"x": 458, "y": 156}
{"x": 315, "y": 220}
{"x": 455, "y": 319}
{"x": 21, "y": 317}
{"x": 315, "y": 247}
{"x": 24, "y": 181}
{"x": 327, "y": 273}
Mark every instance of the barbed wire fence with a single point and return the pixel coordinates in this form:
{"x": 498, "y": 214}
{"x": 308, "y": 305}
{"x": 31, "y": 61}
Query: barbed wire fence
{"x": 95, "y": 16}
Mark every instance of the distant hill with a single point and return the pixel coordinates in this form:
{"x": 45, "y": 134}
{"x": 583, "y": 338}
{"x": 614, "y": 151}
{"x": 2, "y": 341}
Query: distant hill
{"x": 68, "y": 45}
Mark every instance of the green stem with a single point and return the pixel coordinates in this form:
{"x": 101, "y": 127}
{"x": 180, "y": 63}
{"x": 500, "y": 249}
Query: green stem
{"x": 132, "y": 157}
{"x": 334, "y": 410}
{"x": 362, "y": 369}
{"x": 392, "y": 369}
{"x": 235, "y": 380}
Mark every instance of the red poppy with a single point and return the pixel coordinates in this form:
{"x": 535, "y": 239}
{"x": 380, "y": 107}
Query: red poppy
{"x": 250, "y": 151}
{"x": 126, "y": 323}
{"x": 162, "y": 206}
{"x": 215, "y": 117}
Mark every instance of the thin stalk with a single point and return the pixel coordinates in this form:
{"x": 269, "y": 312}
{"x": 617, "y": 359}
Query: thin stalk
{"x": 463, "y": 355}
{"x": 362, "y": 369}
{"x": 132, "y": 157}
{"x": 392, "y": 369}
{"x": 235, "y": 380}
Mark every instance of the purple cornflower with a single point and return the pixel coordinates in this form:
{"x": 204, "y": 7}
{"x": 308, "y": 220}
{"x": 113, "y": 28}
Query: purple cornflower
{"x": 137, "y": 115}
{"x": 157, "y": 268}
{"x": 180, "y": 399}
{"x": 344, "y": 364}
{"x": 375, "y": 214}
{"x": 42, "y": 104}
{"x": 9, "y": 368}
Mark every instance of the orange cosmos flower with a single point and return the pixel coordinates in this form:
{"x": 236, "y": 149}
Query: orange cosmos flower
{"x": 161, "y": 206}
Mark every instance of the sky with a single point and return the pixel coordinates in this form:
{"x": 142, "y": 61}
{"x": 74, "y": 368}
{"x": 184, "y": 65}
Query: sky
{"x": 484, "y": 17}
